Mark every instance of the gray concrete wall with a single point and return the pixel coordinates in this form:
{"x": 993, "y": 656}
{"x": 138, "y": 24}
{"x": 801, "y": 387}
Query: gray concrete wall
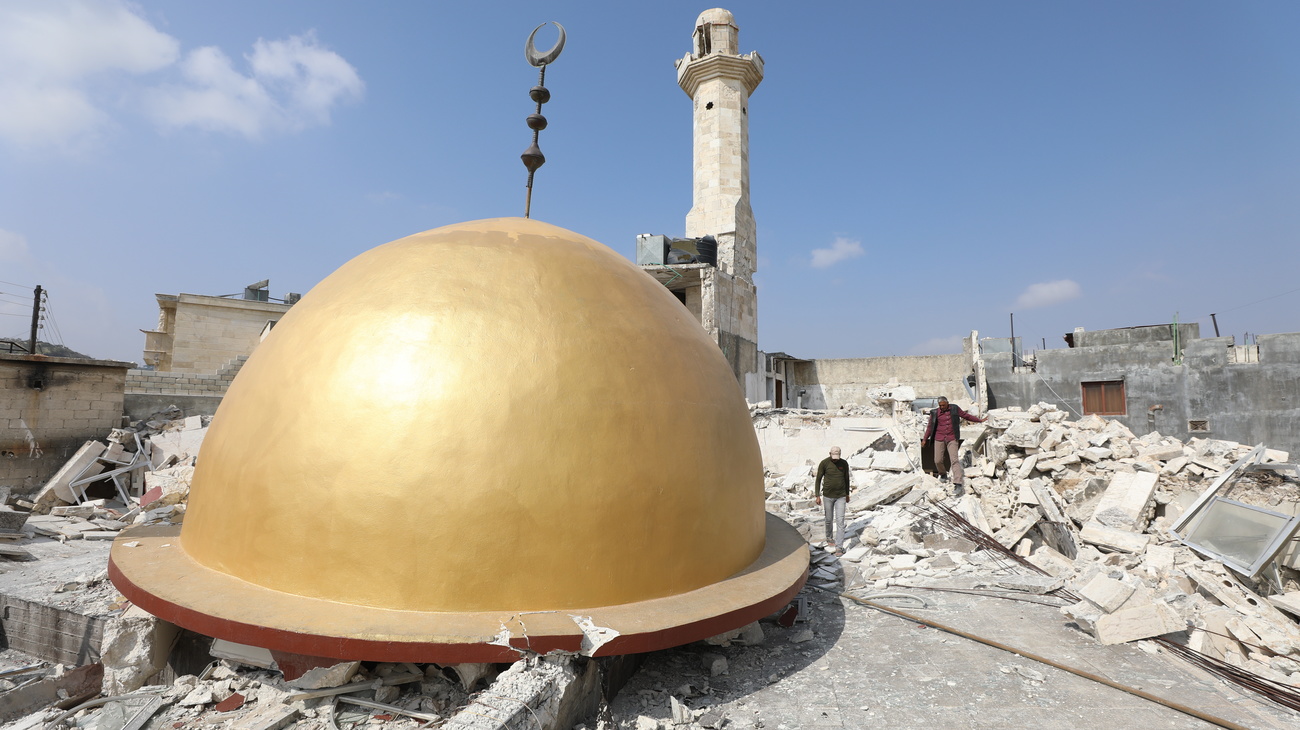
{"x": 832, "y": 383}
{"x": 1249, "y": 402}
{"x": 1138, "y": 335}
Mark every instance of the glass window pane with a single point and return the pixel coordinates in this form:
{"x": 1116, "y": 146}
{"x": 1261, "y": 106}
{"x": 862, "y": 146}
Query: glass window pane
{"x": 1236, "y": 532}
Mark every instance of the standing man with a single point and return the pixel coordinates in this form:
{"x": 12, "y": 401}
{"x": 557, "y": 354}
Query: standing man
{"x": 833, "y": 481}
{"x": 944, "y": 429}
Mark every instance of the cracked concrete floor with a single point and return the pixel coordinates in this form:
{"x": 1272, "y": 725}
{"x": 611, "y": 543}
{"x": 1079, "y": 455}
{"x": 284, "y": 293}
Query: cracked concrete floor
{"x": 864, "y": 668}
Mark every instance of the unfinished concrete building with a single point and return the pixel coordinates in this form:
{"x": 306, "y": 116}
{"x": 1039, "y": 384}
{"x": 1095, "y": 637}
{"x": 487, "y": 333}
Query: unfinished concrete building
{"x": 199, "y": 345}
{"x": 1164, "y": 378}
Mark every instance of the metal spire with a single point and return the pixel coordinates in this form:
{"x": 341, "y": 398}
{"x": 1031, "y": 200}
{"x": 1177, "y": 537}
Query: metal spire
{"x": 533, "y": 157}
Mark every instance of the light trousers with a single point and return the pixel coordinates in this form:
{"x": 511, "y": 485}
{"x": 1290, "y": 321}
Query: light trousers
{"x": 945, "y": 457}
{"x": 835, "y": 518}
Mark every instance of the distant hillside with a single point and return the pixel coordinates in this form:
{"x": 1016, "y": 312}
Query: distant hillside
{"x": 43, "y": 348}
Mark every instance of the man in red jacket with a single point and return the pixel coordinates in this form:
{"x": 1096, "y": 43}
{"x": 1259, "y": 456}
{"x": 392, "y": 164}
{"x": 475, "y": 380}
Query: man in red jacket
{"x": 944, "y": 429}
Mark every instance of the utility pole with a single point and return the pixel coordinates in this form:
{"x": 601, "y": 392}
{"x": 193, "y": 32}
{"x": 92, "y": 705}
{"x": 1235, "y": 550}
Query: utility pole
{"x": 36, "y": 319}
{"x": 1216, "y": 324}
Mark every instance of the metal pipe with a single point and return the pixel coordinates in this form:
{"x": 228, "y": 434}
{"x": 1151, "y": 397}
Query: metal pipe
{"x": 1216, "y": 324}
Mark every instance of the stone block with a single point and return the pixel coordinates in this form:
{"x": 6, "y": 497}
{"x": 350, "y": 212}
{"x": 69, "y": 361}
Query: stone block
{"x": 1161, "y": 453}
{"x": 1027, "y": 466}
{"x": 12, "y": 520}
{"x": 1016, "y": 528}
{"x": 1023, "y": 434}
{"x": 856, "y": 554}
{"x": 1052, "y": 561}
{"x": 890, "y": 461}
{"x": 1173, "y": 466}
{"x": 1084, "y": 614}
{"x": 1106, "y": 593}
{"x": 134, "y": 648}
{"x": 1275, "y": 456}
{"x": 57, "y": 487}
{"x": 74, "y": 510}
{"x": 1123, "y": 504}
{"x": 1113, "y": 538}
{"x": 1140, "y": 622}
{"x": 335, "y": 675}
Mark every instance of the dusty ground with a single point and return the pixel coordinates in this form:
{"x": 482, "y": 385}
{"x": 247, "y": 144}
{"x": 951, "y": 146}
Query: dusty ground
{"x": 864, "y": 668}
{"x": 71, "y": 575}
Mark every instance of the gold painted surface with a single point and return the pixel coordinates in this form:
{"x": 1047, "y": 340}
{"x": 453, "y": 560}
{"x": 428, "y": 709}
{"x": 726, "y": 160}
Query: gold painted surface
{"x": 158, "y": 566}
{"x": 496, "y": 415}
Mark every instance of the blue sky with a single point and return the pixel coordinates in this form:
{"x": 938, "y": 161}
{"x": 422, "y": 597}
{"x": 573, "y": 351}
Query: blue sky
{"x": 918, "y": 169}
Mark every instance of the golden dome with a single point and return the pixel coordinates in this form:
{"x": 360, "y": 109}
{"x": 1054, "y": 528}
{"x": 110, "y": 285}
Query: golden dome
{"x": 494, "y": 416}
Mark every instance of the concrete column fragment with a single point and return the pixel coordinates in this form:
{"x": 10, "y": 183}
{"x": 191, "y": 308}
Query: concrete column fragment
{"x": 134, "y": 648}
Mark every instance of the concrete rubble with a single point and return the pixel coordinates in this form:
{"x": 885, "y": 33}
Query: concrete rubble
{"x": 1083, "y": 499}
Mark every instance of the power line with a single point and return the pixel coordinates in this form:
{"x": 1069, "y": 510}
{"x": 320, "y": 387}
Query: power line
{"x": 1251, "y": 304}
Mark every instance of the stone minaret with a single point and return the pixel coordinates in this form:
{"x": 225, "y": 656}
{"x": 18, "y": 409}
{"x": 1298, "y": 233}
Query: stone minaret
{"x": 719, "y": 81}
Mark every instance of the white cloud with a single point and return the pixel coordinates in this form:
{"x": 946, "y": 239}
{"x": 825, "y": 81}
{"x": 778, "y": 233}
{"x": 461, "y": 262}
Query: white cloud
{"x": 292, "y": 83}
{"x": 841, "y": 250}
{"x": 13, "y": 247}
{"x": 53, "y": 53}
{"x": 67, "y": 66}
{"x": 1048, "y": 293}
{"x": 938, "y": 346}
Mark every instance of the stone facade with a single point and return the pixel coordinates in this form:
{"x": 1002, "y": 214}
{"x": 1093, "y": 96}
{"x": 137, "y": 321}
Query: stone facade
{"x": 49, "y": 406}
{"x": 202, "y": 334}
{"x": 719, "y": 81}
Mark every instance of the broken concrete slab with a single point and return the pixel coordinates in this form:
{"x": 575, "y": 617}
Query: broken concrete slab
{"x": 1105, "y": 593}
{"x": 58, "y": 487}
{"x": 1114, "y": 539}
{"x": 1024, "y": 434}
{"x": 12, "y": 520}
{"x": 1052, "y": 561}
{"x": 1140, "y": 622}
{"x": 1013, "y": 531}
{"x": 1123, "y": 504}
{"x": 134, "y": 647}
{"x": 1289, "y": 602}
{"x": 336, "y": 675}
{"x": 1161, "y": 452}
{"x": 890, "y": 489}
{"x": 1036, "y": 584}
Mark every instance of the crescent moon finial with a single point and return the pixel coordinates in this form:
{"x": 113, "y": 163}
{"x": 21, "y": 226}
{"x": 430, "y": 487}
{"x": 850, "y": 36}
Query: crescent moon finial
{"x": 541, "y": 59}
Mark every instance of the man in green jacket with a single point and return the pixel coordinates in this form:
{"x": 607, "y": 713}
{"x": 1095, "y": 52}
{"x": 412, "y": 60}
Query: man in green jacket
{"x": 833, "y": 482}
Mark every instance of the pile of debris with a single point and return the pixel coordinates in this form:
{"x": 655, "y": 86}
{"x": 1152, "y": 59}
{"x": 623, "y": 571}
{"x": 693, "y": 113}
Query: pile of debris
{"x": 1097, "y": 516}
{"x": 136, "y": 475}
{"x": 351, "y": 694}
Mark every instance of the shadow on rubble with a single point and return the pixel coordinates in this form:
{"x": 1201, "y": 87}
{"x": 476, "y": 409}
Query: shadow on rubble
{"x": 704, "y": 674}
